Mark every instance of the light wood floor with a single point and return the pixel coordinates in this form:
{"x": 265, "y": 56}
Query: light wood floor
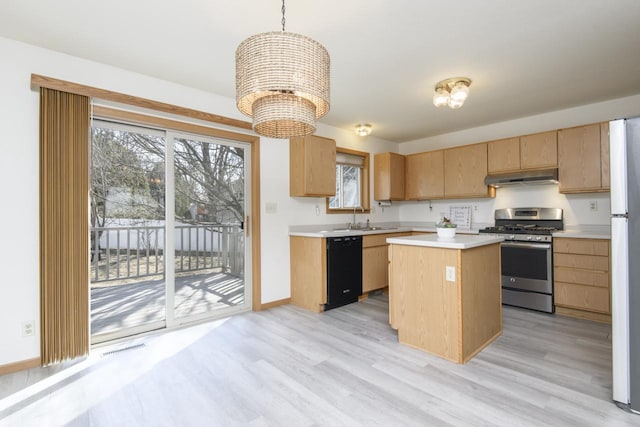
{"x": 290, "y": 367}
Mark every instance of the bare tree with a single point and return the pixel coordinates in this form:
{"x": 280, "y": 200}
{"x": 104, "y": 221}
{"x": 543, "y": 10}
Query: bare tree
{"x": 208, "y": 176}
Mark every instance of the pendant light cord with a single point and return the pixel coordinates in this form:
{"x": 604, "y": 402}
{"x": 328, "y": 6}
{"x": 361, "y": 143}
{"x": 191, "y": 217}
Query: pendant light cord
{"x": 283, "y": 16}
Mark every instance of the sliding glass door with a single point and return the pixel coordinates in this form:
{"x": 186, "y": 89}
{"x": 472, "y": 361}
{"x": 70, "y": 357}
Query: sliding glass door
{"x": 145, "y": 182}
{"x": 210, "y": 182}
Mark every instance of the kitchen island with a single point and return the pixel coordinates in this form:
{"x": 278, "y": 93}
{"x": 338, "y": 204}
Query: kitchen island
{"x": 444, "y": 294}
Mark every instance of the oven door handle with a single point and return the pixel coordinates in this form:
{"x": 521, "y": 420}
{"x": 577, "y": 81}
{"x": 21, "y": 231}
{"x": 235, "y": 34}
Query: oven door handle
{"x": 544, "y": 246}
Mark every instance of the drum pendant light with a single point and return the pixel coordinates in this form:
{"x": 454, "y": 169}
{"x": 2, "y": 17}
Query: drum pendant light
{"x": 282, "y": 82}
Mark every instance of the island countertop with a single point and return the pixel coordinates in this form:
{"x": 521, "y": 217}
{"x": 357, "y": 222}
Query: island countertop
{"x": 460, "y": 241}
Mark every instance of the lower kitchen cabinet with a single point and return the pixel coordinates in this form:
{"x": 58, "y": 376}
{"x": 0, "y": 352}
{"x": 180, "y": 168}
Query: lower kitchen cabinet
{"x": 375, "y": 261}
{"x": 582, "y": 278}
{"x": 308, "y": 259}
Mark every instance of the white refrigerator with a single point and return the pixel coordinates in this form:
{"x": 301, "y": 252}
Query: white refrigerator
{"x": 624, "y": 138}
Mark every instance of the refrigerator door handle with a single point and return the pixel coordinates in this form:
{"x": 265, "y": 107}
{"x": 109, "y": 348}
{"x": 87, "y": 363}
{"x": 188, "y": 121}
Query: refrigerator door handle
{"x": 620, "y": 309}
{"x": 618, "y": 166}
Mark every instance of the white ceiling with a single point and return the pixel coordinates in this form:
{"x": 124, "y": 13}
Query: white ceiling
{"x": 525, "y": 57}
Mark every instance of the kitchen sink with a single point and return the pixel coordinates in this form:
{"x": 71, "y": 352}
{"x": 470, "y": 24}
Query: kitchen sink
{"x": 377, "y": 228}
{"x": 339, "y": 230}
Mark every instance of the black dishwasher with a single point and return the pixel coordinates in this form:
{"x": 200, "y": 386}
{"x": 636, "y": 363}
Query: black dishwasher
{"x": 344, "y": 270}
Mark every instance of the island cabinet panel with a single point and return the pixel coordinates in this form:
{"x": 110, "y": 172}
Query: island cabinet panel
{"x": 539, "y": 151}
{"x": 503, "y": 155}
{"x": 388, "y": 176}
{"x": 582, "y": 279}
{"x": 465, "y": 169}
{"x": 312, "y": 166}
{"x": 424, "y": 176}
{"x": 580, "y": 159}
{"x": 426, "y": 303}
{"x": 308, "y": 259}
{"x": 452, "y": 319}
{"x": 481, "y": 302}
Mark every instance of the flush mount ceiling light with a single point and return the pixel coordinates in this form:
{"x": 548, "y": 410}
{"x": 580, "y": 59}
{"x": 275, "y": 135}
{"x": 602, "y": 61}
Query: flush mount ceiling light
{"x": 452, "y": 92}
{"x": 363, "y": 129}
{"x": 282, "y": 82}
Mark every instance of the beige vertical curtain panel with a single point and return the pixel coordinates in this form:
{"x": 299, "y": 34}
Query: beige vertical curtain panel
{"x": 64, "y": 225}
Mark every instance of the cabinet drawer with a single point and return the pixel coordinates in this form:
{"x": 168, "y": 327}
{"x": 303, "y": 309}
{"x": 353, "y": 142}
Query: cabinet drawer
{"x": 582, "y": 277}
{"x": 581, "y": 246}
{"x": 582, "y": 297}
{"x": 379, "y": 239}
{"x": 587, "y": 262}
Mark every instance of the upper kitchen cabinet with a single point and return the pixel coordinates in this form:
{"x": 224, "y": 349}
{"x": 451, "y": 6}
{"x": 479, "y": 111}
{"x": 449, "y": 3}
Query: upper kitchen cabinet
{"x": 539, "y": 151}
{"x": 582, "y": 167}
{"x": 388, "y": 176}
{"x": 312, "y": 166}
{"x": 425, "y": 175}
{"x": 503, "y": 155}
{"x": 464, "y": 171}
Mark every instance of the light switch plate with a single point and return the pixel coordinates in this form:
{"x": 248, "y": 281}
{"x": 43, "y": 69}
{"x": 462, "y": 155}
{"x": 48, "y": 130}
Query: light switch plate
{"x": 271, "y": 207}
{"x": 450, "y": 273}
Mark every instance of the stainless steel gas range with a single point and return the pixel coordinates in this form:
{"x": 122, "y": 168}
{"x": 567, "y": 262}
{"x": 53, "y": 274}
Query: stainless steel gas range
{"x": 527, "y": 255}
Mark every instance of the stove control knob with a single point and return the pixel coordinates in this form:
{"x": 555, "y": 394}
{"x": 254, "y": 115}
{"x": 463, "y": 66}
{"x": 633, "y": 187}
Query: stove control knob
{"x": 529, "y": 237}
{"x": 512, "y": 237}
{"x": 539, "y": 238}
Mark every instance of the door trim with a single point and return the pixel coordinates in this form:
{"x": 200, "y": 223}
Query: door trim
{"x": 175, "y": 125}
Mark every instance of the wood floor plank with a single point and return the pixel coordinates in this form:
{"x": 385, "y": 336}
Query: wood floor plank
{"x": 291, "y": 367}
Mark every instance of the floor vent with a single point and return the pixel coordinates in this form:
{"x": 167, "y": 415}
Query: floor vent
{"x": 120, "y": 350}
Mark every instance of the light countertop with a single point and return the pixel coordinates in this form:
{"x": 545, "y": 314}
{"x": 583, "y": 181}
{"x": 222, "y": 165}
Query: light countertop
{"x": 337, "y": 230}
{"x": 585, "y": 232}
{"x": 460, "y": 241}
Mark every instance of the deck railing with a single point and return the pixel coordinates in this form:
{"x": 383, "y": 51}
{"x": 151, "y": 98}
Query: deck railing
{"x": 131, "y": 252}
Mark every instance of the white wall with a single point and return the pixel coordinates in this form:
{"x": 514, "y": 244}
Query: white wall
{"x": 576, "y": 207}
{"x": 19, "y": 175}
{"x": 19, "y": 186}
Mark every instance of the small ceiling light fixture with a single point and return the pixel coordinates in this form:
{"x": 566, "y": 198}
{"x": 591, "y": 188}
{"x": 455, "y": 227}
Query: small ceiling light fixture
{"x": 451, "y": 92}
{"x": 363, "y": 129}
{"x": 282, "y": 82}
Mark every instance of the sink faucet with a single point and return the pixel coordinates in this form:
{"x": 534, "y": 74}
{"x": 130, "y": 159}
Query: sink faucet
{"x": 354, "y": 224}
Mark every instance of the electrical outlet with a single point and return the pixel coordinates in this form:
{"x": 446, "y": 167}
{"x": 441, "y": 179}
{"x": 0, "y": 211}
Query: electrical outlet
{"x": 450, "y": 273}
{"x": 317, "y": 210}
{"x": 593, "y": 206}
{"x": 27, "y": 329}
{"x": 476, "y": 208}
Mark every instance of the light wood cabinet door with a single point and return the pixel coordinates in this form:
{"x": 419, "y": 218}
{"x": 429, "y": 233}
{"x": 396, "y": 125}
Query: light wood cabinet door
{"x": 503, "y": 155}
{"x": 579, "y": 159}
{"x": 375, "y": 268}
{"x": 308, "y": 269}
{"x": 312, "y": 166}
{"x": 604, "y": 155}
{"x": 580, "y": 297}
{"x": 388, "y": 176}
{"x": 465, "y": 169}
{"x": 425, "y": 175}
{"x": 539, "y": 150}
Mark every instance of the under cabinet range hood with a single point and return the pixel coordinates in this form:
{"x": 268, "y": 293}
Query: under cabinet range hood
{"x": 546, "y": 176}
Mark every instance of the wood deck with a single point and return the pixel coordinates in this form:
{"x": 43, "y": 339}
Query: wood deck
{"x": 130, "y": 305}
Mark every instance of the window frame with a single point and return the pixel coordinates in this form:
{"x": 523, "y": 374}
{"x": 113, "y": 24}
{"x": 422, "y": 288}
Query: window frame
{"x": 364, "y": 185}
